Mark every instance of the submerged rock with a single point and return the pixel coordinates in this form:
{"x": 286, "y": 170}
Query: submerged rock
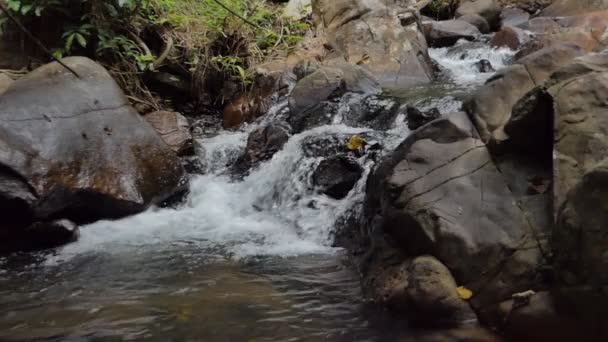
{"x": 336, "y": 176}
{"x": 74, "y": 148}
{"x": 375, "y": 111}
{"x": 484, "y": 66}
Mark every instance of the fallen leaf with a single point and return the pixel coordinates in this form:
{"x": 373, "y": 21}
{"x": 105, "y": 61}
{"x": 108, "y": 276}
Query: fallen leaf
{"x": 355, "y": 143}
{"x": 464, "y": 293}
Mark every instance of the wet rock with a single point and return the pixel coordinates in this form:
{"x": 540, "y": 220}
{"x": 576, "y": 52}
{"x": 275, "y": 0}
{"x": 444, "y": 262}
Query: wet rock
{"x": 509, "y": 37}
{"x": 514, "y": 17}
{"x": 375, "y": 111}
{"x": 462, "y": 49}
{"x": 484, "y": 66}
{"x": 426, "y": 198}
{"x": 424, "y": 290}
{"x": 448, "y": 32}
{"x": 308, "y": 102}
{"x": 370, "y": 33}
{"x": 336, "y": 176}
{"x": 44, "y": 235}
{"x": 245, "y": 108}
{"x": 477, "y": 21}
{"x": 174, "y": 129}
{"x": 5, "y": 82}
{"x": 75, "y": 149}
{"x": 416, "y": 118}
{"x": 491, "y": 106}
{"x": 581, "y": 182}
{"x": 262, "y": 144}
{"x": 488, "y": 9}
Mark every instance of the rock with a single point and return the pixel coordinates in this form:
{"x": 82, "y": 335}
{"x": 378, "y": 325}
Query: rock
{"x": 417, "y": 118}
{"x": 336, "y": 176}
{"x": 488, "y": 9}
{"x": 75, "y": 149}
{"x": 423, "y": 289}
{"x": 448, "y": 32}
{"x": 463, "y": 49}
{"x": 531, "y": 318}
{"x": 374, "y": 111}
{"x": 530, "y": 127}
{"x": 530, "y": 6}
{"x": 508, "y": 37}
{"x": 370, "y": 33}
{"x": 514, "y": 17}
{"x": 580, "y": 236}
{"x": 573, "y": 7}
{"x": 491, "y": 106}
{"x": 262, "y": 144}
{"x": 440, "y": 193}
{"x": 5, "y": 82}
{"x": 297, "y": 9}
{"x": 484, "y": 66}
{"x": 585, "y": 30}
{"x": 174, "y": 129}
{"x": 477, "y": 21}
{"x": 45, "y": 235}
{"x": 306, "y": 101}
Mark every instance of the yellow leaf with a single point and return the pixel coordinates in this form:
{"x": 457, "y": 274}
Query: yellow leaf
{"x": 355, "y": 142}
{"x": 464, "y": 293}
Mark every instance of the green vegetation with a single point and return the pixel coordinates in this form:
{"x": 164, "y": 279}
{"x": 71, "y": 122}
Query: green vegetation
{"x": 132, "y": 37}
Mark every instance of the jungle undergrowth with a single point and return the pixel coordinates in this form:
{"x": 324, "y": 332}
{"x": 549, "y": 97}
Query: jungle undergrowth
{"x": 134, "y": 38}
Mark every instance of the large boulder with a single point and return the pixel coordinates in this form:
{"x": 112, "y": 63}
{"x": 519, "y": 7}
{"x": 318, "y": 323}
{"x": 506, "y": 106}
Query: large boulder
{"x": 382, "y": 36}
{"x": 423, "y": 288}
{"x": 491, "y": 106}
{"x": 477, "y": 21}
{"x": 74, "y": 148}
{"x": 440, "y": 193}
{"x": 509, "y": 37}
{"x": 488, "y": 9}
{"x": 573, "y": 7}
{"x": 308, "y": 101}
{"x": 448, "y": 32}
{"x": 581, "y": 179}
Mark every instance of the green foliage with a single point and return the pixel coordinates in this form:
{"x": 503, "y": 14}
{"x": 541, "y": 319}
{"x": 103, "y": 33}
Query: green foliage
{"x": 110, "y": 30}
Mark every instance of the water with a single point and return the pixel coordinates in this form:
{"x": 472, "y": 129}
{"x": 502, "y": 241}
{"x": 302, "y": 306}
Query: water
{"x": 240, "y": 260}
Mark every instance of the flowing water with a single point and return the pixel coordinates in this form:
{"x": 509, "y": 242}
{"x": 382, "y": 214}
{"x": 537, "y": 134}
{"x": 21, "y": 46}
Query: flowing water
{"x": 249, "y": 259}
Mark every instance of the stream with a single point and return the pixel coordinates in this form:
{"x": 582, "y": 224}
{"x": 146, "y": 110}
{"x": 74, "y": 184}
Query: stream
{"x": 241, "y": 260}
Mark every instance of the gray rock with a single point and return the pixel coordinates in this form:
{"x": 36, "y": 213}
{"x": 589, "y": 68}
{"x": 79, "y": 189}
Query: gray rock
{"x": 514, "y": 17}
{"x": 74, "y": 148}
{"x": 491, "y": 106}
{"x": 440, "y": 193}
{"x": 262, "y": 144}
{"x": 174, "y": 129}
{"x": 448, "y": 32}
{"x": 477, "y": 21}
{"x": 370, "y": 33}
{"x": 488, "y": 9}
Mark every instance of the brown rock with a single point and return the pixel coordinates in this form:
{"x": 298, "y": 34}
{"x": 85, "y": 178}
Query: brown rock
{"x": 5, "y": 82}
{"x": 507, "y": 37}
{"x": 574, "y": 7}
{"x": 174, "y": 129}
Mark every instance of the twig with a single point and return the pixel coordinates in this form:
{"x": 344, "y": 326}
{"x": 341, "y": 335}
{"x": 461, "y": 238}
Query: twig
{"x": 237, "y": 15}
{"x": 164, "y": 54}
{"x": 35, "y": 40}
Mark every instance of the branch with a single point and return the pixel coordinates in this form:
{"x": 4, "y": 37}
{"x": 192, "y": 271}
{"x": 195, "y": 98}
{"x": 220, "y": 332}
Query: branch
{"x": 237, "y": 15}
{"x": 34, "y": 39}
